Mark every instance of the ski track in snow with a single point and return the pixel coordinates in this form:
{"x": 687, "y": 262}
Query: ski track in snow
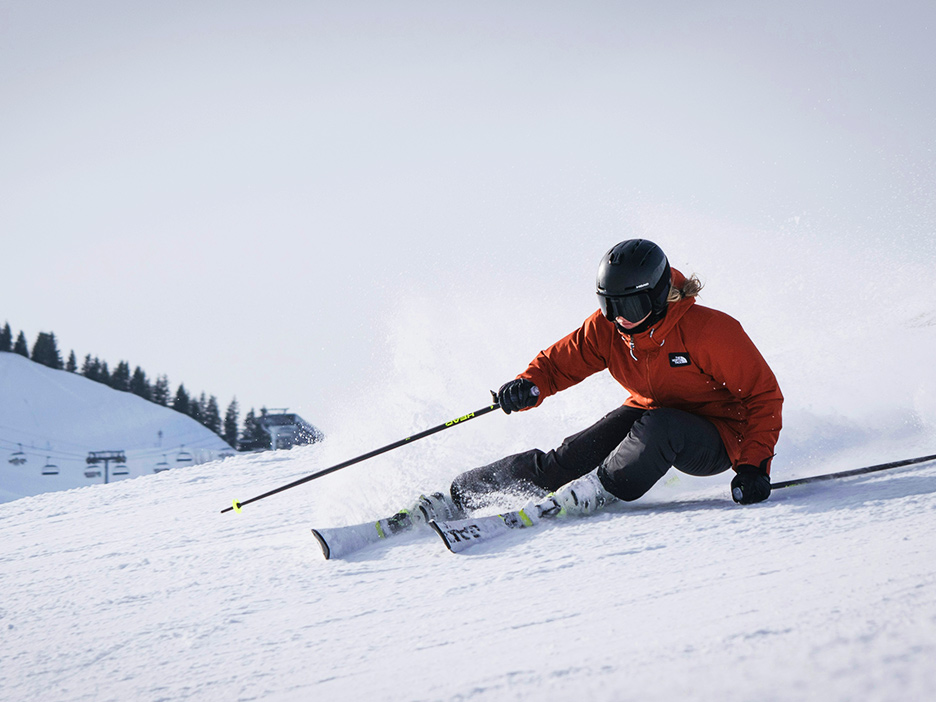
{"x": 142, "y": 590}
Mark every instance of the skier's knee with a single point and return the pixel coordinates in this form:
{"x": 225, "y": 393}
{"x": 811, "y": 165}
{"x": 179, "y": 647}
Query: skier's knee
{"x": 659, "y": 423}
{"x": 621, "y": 486}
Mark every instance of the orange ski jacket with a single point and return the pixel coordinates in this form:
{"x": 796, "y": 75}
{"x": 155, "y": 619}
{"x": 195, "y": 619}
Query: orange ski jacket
{"x": 695, "y": 359}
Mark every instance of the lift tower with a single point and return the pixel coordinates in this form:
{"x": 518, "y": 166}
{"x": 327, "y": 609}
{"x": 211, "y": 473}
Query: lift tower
{"x": 106, "y": 457}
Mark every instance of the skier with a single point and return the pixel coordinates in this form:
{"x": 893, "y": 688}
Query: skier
{"x": 702, "y": 398}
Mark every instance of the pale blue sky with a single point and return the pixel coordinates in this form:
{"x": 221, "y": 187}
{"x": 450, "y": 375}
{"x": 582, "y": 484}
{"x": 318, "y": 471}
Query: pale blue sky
{"x": 249, "y": 197}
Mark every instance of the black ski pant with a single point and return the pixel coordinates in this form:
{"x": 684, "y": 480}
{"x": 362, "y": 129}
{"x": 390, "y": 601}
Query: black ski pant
{"x": 631, "y": 448}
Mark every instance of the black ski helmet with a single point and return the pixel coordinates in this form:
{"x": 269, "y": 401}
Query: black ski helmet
{"x": 634, "y": 281}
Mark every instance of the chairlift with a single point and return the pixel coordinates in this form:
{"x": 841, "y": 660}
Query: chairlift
{"x": 50, "y": 468}
{"x": 162, "y": 465}
{"x": 18, "y": 458}
{"x": 183, "y": 457}
{"x": 92, "y": 474}
{"x": 120, "y": 469}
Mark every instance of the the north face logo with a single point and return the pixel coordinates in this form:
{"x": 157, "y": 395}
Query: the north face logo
{"x": 678, "y": 359}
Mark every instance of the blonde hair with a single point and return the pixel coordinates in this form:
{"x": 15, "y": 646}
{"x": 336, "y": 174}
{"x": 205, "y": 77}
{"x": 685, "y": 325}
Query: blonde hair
{"x": 690, "y": 288}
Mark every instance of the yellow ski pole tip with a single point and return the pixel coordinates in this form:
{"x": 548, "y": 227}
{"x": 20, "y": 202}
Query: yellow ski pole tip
{"x": 237, "y": 506}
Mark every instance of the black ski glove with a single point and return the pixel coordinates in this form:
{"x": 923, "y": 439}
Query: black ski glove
{"x": 517, "y": 395}
{"x": 750, "y": 485}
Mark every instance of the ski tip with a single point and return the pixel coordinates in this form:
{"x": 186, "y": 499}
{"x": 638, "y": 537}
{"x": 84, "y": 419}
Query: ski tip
{"x": 324, "y": 544}
{"x": 438, "y": 530}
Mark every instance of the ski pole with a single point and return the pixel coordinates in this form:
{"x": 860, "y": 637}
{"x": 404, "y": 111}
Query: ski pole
{"x": 376, "y": 452}
{"x": 855, "y": 471}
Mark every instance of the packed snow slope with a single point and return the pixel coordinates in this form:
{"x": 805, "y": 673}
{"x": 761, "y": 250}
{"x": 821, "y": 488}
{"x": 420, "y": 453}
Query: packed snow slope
{"x": 143, "y": 590}
{"x": 52, "y": 419}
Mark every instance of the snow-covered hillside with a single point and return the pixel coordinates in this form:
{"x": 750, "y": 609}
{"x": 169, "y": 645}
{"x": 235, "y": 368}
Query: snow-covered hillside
{"x": 142, "y": 590}
{"x": 53, "y": 419}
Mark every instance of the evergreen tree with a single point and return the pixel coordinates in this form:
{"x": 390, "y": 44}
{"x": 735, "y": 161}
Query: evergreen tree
{"x": 91, "y": 368}
{"x": 120, "y": 380}
{"x": 230, "y": 424}
{"x": 55, "y": 357}
{"x": 261, "y": 438}
{"x": 139, "y": 385}
{"x": 161, "y": 391}
{"x": 45, "y": 351}
{"x": 250, "y": 420}
{"x": 197, "y": 409}
{"x": 72, "y": 365}
{"x": 6, "y": 338}
{"x": 180, "y": 403}
{"x": 212, "y": 416}
{"x": 104, "y": 375}
{"x": 20, "y": 346}
{"x": 253, "y": 437}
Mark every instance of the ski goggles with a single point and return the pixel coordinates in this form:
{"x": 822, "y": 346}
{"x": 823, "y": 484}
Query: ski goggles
{"x": 633, "y": 307}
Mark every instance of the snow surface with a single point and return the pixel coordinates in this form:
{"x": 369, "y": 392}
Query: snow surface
{"x": 56, "y": 418}
{"x": 143, "y": 590}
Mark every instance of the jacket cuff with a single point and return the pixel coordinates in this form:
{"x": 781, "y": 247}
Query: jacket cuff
{"x": 763, "y": 468}
{"x": 540, "y": 383}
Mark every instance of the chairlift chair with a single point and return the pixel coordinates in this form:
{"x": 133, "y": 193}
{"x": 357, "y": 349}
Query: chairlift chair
{"x": 92, "y": 474}
{"x": 120, "y": 469}
{"x": 162, "y": 465}
{"x": 183, "y": 457}
{"x": 50, "y": 468}
{"x": 18, "y": 458}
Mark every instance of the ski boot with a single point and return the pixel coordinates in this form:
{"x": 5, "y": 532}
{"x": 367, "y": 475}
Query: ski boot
{"x": 582, "y": 496}
{"x": 435, "y": 506}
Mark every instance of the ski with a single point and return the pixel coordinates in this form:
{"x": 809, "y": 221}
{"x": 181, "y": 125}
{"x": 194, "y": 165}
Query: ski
{"x": 338, "y": 542}
{"x": 461, "y": 534}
